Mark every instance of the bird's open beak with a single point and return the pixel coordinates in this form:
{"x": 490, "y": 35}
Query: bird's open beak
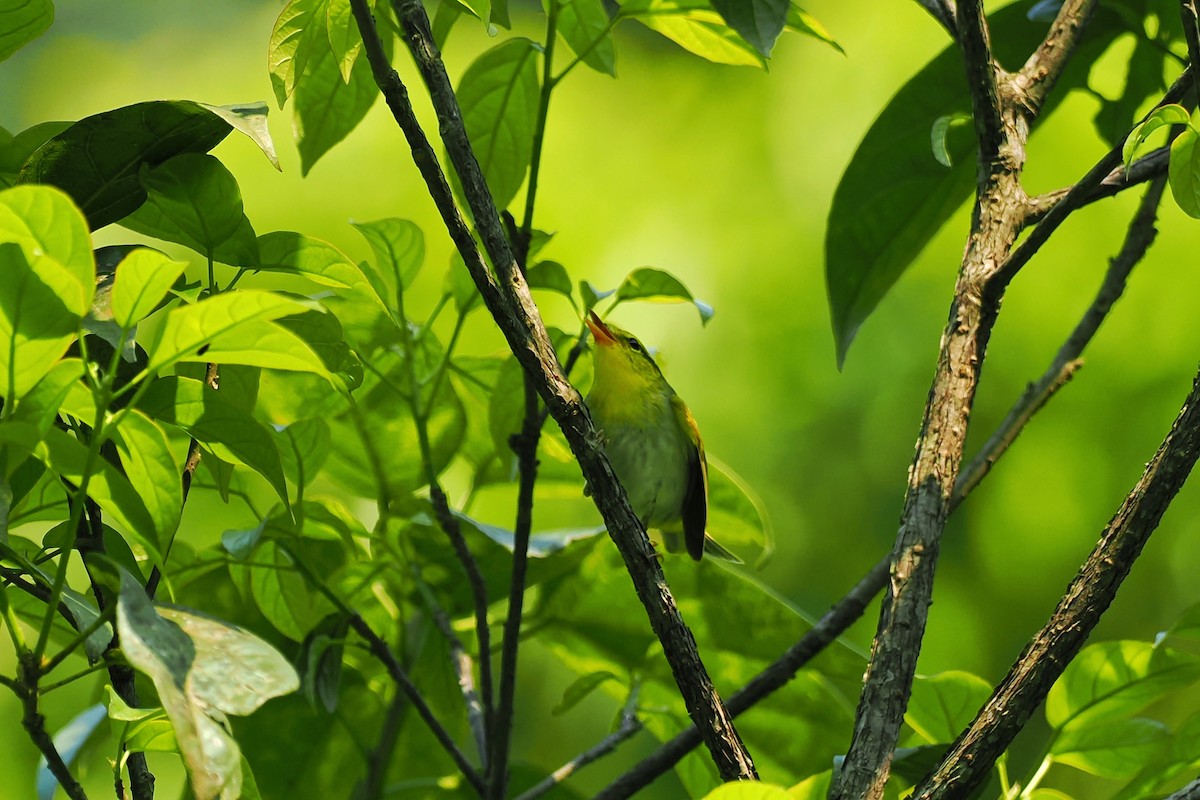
{"x": 600, "y": 331}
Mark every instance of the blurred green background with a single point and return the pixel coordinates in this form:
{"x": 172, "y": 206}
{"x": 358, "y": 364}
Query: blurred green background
{"x": 723, "y": 176}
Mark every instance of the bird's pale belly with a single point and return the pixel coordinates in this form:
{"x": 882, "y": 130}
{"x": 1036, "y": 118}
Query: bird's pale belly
{"x": 653, "y": 469}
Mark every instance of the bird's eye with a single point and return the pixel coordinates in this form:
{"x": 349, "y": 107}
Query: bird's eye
{"x": 634, "y": 343}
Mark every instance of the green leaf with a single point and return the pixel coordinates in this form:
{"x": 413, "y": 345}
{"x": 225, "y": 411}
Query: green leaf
{"x": 697, "y": 28}
{"x": 36, "y": 328}
{"x": 230, "y": 432}
{"x": 322, "y": 333}
{"x": 143, "y": 278}
{"x": 748, "y": 790}
{"x": 344, "y": 38}
{"x": 150, "y": 466}
{"x": 223, "y": 323}
{"x": 806, "y": 24}
{"x": 461, "y": 286}
{"x": 893, "y": 198}
{"x": 66, "y": 457}
{"x": 814, "y": 787}
{"x": 447, "y": 13}
{"x": 1162, "y": 771}
{"x": 1114, "y": 748}
{"x": 1184, "y": 172}
{"x": 250, "y": 119}
{"x": 193, "y": 200}
{"x": 283, "y": 595}
{"x": 399, "y": 247}
{"x": 499, "y": 98}
{"x": 303, "y": 448}
{"x": 586, "y": 27}
{"x": 203, "y": 669}
{"x": 68, "y": 741}
{"x": 942, "y": 705}
{"x": 648, "y": 283}
{"x": 1162, "y": 117}
{"x": 591, "y": 295}
{"x": 1188, "y": 623}
{"x": 294, "y": 38}
{"x": 552, "y": 276}
{"x": 939, "y": 136}
{"x": 759, "y": 22}
{"x": 97, "y": 159}
{"x": 45, "y": 223}
{"x": 583, "y": 686}
{"x": 22, "y": 21}
{"x": 737, "y": 517}
{"x": 326, "y": 108}
{"x": 1112, "y": 680}
{"x": 15, "y": 150}
{"x": 321, "y": 655}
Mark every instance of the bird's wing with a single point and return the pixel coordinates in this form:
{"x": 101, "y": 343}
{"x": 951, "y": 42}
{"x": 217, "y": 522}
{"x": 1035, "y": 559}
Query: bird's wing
{"x": 695, "y": 496}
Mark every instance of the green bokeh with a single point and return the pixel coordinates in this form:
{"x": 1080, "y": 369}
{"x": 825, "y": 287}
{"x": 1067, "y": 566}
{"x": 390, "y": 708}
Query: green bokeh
{"x": 723, "y": 176}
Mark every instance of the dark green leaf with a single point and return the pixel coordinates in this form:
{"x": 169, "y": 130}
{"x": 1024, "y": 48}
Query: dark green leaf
{"x": 283, "y": 595}
{"x": 22, "y": 21}
{"x": 1112, "y": 680}
{"x": 580, "y": 689}
{"x": 230, "y": 432}
{"x": 893, "y": 197}
{"x": 586, "y": 27}
{"x": 499, "y": 97}
{"x": 326, "y": 108}
{"x": 591, "y": 295}
{"x": 1172, "y": 761}
{"x": 15, "y": 150}
{"x": 321, "y": 656}
{"x": 648, "y": 283}
{"x": 322, "y": 332}
{"x": 1115, "y": 748}
{"x": 1184, "y": 172}
{"x": 552, "y": 276}
{"x": 97, "y": 159}
{"x": 193, "y": 200}
{"x": 758, "y": 21}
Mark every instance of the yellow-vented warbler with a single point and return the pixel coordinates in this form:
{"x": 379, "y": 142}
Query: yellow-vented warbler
{"x": 652, "y": 441}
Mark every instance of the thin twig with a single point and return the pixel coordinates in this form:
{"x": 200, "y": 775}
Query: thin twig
{"x": 1079, "y": 195}
{"x": 516, "y": 314}
{"x": 630, "y": 724}
{"x": 372, "y": 786}
{"x": 35, "y": 725}
{"x": 1042, "y": 69}
{"x": 967, "y": 763}
{"x": 1138, "y": 239}
{"x": 1191, "y": 34}
{"x": 380, "y": 649}
{"x": 1146, "y": 168}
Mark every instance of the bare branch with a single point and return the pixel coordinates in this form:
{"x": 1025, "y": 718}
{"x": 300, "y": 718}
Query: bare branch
{"x": 1137, "y": 241}
{"x": 1041, "y": 71}
{"x": 1191, "y": 34}
{"x": 982, "y": 71}
{"x": 26, "y": 688}
{"x": 1146, "y": 168}
{"x": 968, "y": 761}
{"x": 630, "y": 724}
{"x": 1189, "y": 792}
{"x": 512, "y": 307}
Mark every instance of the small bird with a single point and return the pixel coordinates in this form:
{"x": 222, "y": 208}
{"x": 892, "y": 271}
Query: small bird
{"x": 652, "y": 441}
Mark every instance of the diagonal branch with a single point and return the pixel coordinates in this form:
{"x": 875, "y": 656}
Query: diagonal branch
{"x": 982, "y": 71}
{"x": 1189, "y": 792}
{"x": 1045, "y": 65}
{"x": 512, "y": 307}
{"x": 968, "y": 761}
{"x": 1146, "y": 168}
